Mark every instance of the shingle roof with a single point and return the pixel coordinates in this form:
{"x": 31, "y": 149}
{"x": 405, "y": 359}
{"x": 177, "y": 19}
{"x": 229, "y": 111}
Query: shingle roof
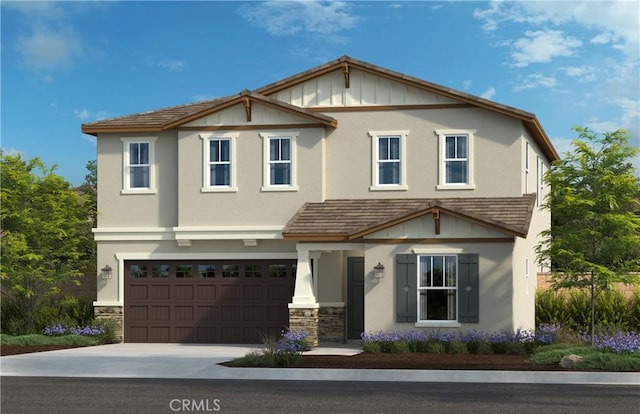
{"x": 172, "y": 117}
{"x": 353, "y": 219}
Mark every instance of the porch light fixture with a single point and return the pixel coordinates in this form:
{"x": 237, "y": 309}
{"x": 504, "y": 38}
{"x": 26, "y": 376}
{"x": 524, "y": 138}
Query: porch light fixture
{"x": 106, "y": 272}
{"x": 378, "y": 271}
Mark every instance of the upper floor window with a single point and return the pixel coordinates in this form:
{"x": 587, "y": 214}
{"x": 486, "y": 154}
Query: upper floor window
{"x": 219, "y": 162}
{"x": 456, "y": 159}
{"x": 279, "y": 172}
{"x": 388, "y": 160}
{"x": 138, "y": 165}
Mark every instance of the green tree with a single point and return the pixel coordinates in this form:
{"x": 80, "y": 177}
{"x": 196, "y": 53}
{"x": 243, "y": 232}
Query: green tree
{"x": 594, "y": 194}
{"x": 44, "y": 221}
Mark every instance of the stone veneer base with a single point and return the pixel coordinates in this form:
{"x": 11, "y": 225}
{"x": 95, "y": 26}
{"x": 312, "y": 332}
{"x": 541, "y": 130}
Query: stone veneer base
{"x": 111, "y": 313}
{"x": 305, "y": 320}
{"x": 331, "y": 322}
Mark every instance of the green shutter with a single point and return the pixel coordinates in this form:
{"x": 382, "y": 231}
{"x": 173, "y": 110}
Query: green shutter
{"x": 468, "y": 288}
{"x": 406, "y": 291}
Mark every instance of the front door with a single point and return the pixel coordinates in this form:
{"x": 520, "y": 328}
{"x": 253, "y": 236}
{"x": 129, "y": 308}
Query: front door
{"x": 355, "y": 297}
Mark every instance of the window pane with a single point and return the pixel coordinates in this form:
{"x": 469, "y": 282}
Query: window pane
{"x": 219, "y": 174}
{"x": 144, "y": 153}
{"x": 161, "y": 270}
{"x": 138, "y": 271}
{"x": 277, "y": 270}
{"x": 184, "y": 271}
{"x": 207, "y": 270}
{"x": 450, "y": 271}
{"x": 425, "y": 271}
{"x": 224, "y": 150}
{"x": 438, "y": 305}
{"x": 230, "y": 270}
{"x": 383, "y": 149}
{"x": 394, "y": 148}
{"x": 280, "y": 174}
{"x": 139, "y": 177}
{"x": 461, "y": 147}
{"x": 438, "y": 269}
{"x": 456, "y": 172}
{"x": 274, "y": 150}
{"x": 389, "y": 173}
{"x": 285, "y": 149}
{"x": 214, "y": 151}
{"x": 134, "y": 154}
{"x": 252, "y": 271}
{"x": 450, "y": 147}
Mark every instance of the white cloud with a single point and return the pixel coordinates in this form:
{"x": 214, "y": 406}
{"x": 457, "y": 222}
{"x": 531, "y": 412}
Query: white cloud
{"x": 489, "y": 93}
{"x": 49, "y": 49}
{"x": 542, "y": 46}
{"x": 81, "y": 114}
{"x": 170, "y": 64}
{"x": 466, "y": 84}
{"x": 293, "y": 17}
{"x": 581, "y": 73}
{"x": 536, "y": 80}
{"x": 616, "y": 22}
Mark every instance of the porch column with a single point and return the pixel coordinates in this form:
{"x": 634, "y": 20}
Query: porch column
{"x": 303, "y": 309}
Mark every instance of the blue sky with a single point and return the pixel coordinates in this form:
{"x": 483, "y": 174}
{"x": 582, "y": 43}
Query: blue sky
{"x": 68, "y": 63}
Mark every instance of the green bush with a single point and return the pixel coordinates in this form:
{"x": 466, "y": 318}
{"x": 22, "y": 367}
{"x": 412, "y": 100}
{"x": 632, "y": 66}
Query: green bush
{"x": 484, "y": 348}
{"x": 553, "y": 354}
{"x": 38, "y": 339}
{"x": 551, "y": 307}
{"x": 572, "y": 309}
{"x": 515, "y": 348}
{"x": 457, "y": 348}
{"x": 434, "y": 347}
{"x": 612, "y": 362}
{"x": 371, "y": 347}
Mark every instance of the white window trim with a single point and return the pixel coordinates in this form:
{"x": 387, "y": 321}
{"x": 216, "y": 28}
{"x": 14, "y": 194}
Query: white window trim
{"x": 539, "y": 182}
{"x": 442, "y": 134}
{"x": 126, "y": 177}
{"x": 266, "y": 174}
{"x": 436, "y": 323}
{"x": 526, "y": 166}
{"x": 375, "y": 136}
{"x": 206, "y": 187}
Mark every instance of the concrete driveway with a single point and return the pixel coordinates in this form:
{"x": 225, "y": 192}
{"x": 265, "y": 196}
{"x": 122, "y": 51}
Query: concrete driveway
{"x": 189, "y": 361}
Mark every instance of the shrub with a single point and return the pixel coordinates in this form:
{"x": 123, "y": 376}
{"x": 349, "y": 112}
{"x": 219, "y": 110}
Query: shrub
{"x": 434, "y": 347}
{"x": 484, "y": 348}
{"x": 457, "y": 348}
{"x": 620, "y": 342}
{"x": 284, "y": 353}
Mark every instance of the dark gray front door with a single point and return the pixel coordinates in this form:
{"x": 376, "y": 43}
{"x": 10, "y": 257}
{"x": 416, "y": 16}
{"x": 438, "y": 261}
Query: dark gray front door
{"x": 355, "y": 297}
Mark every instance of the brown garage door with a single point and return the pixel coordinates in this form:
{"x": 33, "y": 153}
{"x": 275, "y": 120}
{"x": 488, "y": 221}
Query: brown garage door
{"x": 216, "y": 301}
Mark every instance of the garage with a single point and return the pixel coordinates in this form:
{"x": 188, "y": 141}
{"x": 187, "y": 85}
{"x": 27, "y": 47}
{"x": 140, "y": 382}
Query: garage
{"x": 212, "y": 301}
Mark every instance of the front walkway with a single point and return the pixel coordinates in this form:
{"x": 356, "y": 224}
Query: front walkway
{"x": 202, "y": 362}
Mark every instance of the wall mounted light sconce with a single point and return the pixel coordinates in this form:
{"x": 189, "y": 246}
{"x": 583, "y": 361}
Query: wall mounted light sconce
{"x": 378, "y": 271}
{"x": 106, "y": 272}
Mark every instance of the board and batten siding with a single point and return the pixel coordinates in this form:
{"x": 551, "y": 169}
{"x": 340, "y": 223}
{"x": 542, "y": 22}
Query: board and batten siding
{"x": 364, "y": 89}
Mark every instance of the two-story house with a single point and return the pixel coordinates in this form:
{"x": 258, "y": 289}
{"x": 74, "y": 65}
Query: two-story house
{"x": 343, "y": 199}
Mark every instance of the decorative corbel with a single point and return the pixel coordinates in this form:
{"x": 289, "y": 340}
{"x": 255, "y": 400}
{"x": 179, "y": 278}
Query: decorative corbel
{"x": 345, "y": 72}
{"x": 436, "y": 220}
{"x": 247, "y": 107}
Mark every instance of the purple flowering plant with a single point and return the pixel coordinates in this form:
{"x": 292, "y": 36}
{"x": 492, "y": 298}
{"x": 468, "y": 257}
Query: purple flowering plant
{"x": 59, "y": 330}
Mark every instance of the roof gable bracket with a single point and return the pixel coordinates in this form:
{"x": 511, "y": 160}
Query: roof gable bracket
{"x": 436, "y": 220}
{"x": 345, "y": 72}
{"x": 247, "y": 107}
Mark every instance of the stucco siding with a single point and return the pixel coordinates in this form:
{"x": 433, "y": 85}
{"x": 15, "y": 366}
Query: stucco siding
{"x": 349, "y": 152}
{"x": 249, "y": 205}
{"x": 495, "y": 269}
{"x": 158, "y": 209}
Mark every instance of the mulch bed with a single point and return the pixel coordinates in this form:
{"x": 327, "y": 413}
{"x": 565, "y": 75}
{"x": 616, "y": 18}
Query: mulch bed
{"x": 422, "y": 361}
{"x": 27, "y": 349}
